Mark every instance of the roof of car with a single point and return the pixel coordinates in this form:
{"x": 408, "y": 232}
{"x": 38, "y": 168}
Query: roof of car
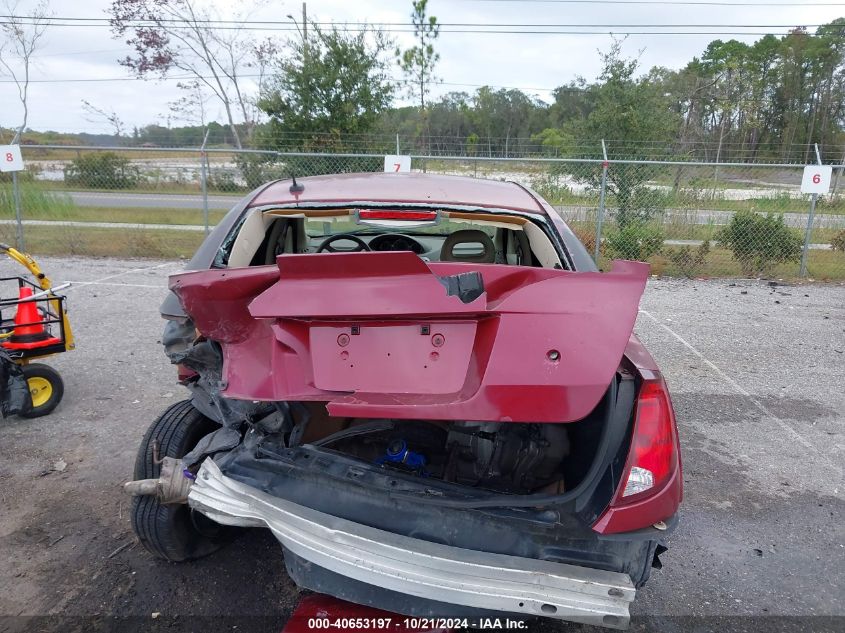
{"x": 404, "y": 188}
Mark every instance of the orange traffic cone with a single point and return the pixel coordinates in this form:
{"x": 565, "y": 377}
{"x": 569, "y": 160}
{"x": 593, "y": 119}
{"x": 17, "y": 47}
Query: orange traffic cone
{"x": 29, "y": 330}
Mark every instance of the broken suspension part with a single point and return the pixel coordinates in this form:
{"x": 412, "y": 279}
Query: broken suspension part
{"x": 172, "y": 486}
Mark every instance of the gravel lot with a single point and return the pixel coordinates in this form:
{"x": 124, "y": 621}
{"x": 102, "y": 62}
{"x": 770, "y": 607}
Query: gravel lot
{"x": 756, "y": 372}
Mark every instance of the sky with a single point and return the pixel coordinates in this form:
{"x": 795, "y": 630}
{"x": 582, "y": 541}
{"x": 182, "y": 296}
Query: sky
{"x": 535, "y": 63}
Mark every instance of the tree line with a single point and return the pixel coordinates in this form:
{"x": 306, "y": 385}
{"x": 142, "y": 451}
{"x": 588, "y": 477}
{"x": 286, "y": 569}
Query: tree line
{"x": 770, "y": 100}
{"x": 330, "y": 88}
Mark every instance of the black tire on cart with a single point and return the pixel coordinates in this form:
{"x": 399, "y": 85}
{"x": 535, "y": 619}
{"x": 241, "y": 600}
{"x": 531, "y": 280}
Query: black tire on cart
{"x": 46, "y": 388}
{"x": 174, "y": 532}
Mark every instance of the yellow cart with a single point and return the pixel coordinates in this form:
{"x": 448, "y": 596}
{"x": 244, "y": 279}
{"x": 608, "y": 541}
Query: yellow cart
{"x": 39, "y": 328}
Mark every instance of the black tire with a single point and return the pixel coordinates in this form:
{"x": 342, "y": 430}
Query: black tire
{"x": 174, "y": 532}
{"x": 57, "y": 388}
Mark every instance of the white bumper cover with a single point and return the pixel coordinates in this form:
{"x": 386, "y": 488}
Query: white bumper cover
{"x": 453, "y": 575}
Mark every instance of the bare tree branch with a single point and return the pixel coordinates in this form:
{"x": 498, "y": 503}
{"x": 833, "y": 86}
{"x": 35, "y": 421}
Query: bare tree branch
{"x": 191, "y": 106}
{"x": 169, "y": 35}
{"x": 21, "y": 39}
{"x": 96, "y": 115}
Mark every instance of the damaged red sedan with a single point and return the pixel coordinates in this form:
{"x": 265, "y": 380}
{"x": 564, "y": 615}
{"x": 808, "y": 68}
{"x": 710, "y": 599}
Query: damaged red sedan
{"x": 427, "y": 391}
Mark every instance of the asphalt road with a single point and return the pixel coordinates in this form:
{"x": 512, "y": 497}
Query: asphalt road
{"x": 756, "y": 373}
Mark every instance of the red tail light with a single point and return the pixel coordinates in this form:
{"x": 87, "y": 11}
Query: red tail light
{"x": 389, "y": 214}
{"x": 650, "y": 488}
{"x": 653, "y": 456}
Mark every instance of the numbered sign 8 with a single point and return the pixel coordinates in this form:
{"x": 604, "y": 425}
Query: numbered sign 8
{"x": 10, "y": 158}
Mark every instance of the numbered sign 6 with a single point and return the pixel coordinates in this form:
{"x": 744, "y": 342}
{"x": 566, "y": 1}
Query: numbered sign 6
{"x": 10, "y": 158}
{"x": 816, "y": 179}
{"x": 397, "y": 164}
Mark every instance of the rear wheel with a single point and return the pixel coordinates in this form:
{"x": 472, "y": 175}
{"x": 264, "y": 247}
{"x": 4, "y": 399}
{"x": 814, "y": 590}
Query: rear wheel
{"x": 46, "y": 388}
{"x": 174, "y": 532}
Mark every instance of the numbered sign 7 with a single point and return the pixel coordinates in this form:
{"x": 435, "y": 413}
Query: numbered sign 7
{"x": 397, "y": 164}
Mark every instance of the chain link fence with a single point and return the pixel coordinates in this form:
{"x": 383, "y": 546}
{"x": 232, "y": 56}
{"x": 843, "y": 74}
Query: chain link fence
{"x": 686, "y": 218}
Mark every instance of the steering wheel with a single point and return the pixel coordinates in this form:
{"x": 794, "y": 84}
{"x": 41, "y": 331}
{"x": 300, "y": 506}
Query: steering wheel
{"x": 327, "y": 243}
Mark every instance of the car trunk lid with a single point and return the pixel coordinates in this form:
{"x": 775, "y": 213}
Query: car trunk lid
{"x": 389, "y": 335}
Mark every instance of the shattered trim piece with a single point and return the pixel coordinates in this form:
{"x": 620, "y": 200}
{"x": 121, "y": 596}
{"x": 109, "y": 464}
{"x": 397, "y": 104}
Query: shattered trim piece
{"x": 466, "y": 286}
{"x": 420, "y": 568}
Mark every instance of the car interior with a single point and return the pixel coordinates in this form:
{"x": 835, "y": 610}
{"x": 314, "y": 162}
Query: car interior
{"x": 435, "y": 235}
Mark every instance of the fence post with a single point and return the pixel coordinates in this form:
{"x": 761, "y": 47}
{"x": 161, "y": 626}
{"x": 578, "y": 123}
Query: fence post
{"x": 204, "y": 181}
{"x": 16, "y": 193}
{"x": 602, "y": 193}
{"x": 838, "y": 175}
{"x": 809, "y": 230}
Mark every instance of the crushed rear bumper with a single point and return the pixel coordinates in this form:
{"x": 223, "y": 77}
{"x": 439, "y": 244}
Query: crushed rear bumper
{"x": 479, "y": 581}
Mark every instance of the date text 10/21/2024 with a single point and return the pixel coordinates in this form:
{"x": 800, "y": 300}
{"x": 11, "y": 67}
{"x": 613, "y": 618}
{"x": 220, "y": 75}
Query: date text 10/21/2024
{"x": 414, "y": 624}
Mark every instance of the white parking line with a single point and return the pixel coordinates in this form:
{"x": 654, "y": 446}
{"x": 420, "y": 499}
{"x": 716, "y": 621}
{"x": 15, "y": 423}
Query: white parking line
{"x": 786, "y": 427}
{"x": 100, "y": 281}
{"x": 107, "y": 283}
